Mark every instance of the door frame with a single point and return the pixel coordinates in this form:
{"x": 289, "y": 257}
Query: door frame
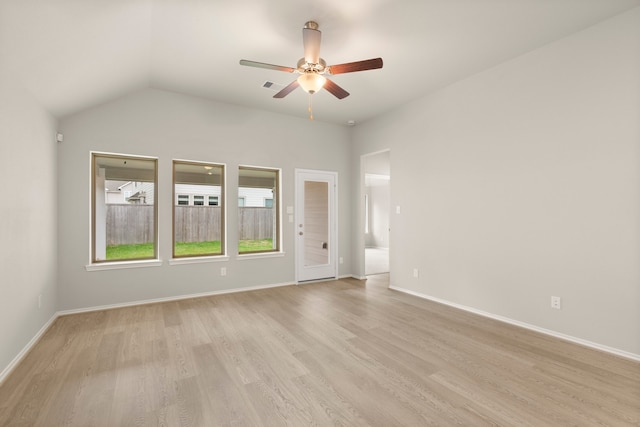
{"x": 333, "y": 223}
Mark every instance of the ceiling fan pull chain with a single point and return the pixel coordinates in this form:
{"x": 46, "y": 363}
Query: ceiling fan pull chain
{"x": 310, "y": 109}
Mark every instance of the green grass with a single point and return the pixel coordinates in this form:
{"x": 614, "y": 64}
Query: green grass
{"x": 255, "y": 245}
{"x": 198, "y": 248}
{"x": 142, "y": 250}
{"x": 145, "y": 250}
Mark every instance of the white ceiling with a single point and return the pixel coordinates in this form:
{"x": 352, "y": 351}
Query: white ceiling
{"x": 73, "y": 54}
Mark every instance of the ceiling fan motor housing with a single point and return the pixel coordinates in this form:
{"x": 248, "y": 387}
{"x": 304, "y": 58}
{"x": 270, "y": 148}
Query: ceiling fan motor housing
{"x": 305, "y": 67}
{"x": 312, "y": 25}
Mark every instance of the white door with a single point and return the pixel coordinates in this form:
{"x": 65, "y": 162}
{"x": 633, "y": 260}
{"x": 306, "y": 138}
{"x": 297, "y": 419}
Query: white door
{"x": 315, "y": 226}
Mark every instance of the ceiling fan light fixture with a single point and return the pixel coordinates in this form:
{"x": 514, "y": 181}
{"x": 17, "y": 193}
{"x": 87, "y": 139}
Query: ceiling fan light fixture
{"x": 311, "y": 82}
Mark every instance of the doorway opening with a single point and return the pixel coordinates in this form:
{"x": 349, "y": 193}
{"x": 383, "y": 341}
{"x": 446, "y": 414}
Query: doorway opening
{"x": 376, "y": 169}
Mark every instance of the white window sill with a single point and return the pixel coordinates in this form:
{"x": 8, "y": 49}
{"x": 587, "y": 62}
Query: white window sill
{"x": 198, "y": 260}
{"x": 119, "y": 265}
{"x": 261, "y": 255}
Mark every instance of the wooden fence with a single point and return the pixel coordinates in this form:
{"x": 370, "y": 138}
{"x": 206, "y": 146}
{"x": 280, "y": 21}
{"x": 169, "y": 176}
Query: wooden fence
{"x": 197, "y": 223}
{"x": 255, "y": 223}
{"x": 129, "y": 224}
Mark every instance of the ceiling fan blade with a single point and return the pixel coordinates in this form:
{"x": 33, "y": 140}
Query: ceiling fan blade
{"x": 335, "y": 90}
{"x": 311, "y": 41}
{"x": 350, "y": 67}
{"x": 287, "y": 89}
{"x": 267, "y": 66}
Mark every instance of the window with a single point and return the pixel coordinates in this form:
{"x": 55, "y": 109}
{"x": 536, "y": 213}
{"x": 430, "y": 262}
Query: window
{"x": 258, "y": 222}
{"x": 126, "y": 228}
{"x": 198, "y": 229}
{"x": 183, "y": 199}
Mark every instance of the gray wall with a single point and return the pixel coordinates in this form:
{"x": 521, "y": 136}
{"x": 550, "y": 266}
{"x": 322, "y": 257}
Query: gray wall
{"x": 378, "y": 236}
{"x": 28, "y": 217}
{"x": 522, "y": 182}
{"x": 172, "y": 126}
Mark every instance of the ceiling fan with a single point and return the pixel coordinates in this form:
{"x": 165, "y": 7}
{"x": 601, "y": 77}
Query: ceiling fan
{"x": 312, "y": 67}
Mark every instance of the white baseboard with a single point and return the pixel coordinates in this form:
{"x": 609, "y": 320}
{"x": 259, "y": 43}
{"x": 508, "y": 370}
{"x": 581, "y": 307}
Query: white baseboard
{"x": 344, "y": 276}
{"x": 351, "y": 276}
{"x": 168, "y": 299}
{"x": 16, "y": 360}
{"x": 612, "y": 350}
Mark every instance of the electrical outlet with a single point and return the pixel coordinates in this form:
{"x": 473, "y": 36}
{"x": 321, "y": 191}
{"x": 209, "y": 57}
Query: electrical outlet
{"x": 416, "y": 273}
{"x": 223, "y": 271}
{"x": 341, "y": 260}
{"x": 556, "y": 302}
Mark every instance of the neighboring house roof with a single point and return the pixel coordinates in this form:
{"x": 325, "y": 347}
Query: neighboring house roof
{"x": 138, "y": 195}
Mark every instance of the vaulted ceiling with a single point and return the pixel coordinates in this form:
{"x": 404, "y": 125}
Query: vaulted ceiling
{"x": 73, "y": 54}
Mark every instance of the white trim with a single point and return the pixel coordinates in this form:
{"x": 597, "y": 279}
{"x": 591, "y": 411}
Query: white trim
{"x": 16, "y": 360}
{"x": 352, "y": 276}
{"x": 326, "y": 279}
{"x": 259, "y": 255}
{"x": 377, "y": 175}
{"x": 198, "y": 260}
{"x": 122, "y": 265}
{"x": 373, "y": 153}
{"x": 534, "y": 328}
{"x": 169, "y": 299}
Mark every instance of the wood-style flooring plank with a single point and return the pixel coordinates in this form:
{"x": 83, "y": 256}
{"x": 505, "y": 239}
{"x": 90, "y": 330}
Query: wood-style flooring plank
{"x": 340, "y": 353}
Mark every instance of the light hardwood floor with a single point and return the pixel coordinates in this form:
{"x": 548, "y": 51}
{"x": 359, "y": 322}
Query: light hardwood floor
{"x": 344, "y": 353}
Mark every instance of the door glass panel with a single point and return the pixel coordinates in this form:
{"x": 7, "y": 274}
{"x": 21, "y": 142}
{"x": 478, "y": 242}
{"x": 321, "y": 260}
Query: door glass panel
{"x": 316, "y": 223}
